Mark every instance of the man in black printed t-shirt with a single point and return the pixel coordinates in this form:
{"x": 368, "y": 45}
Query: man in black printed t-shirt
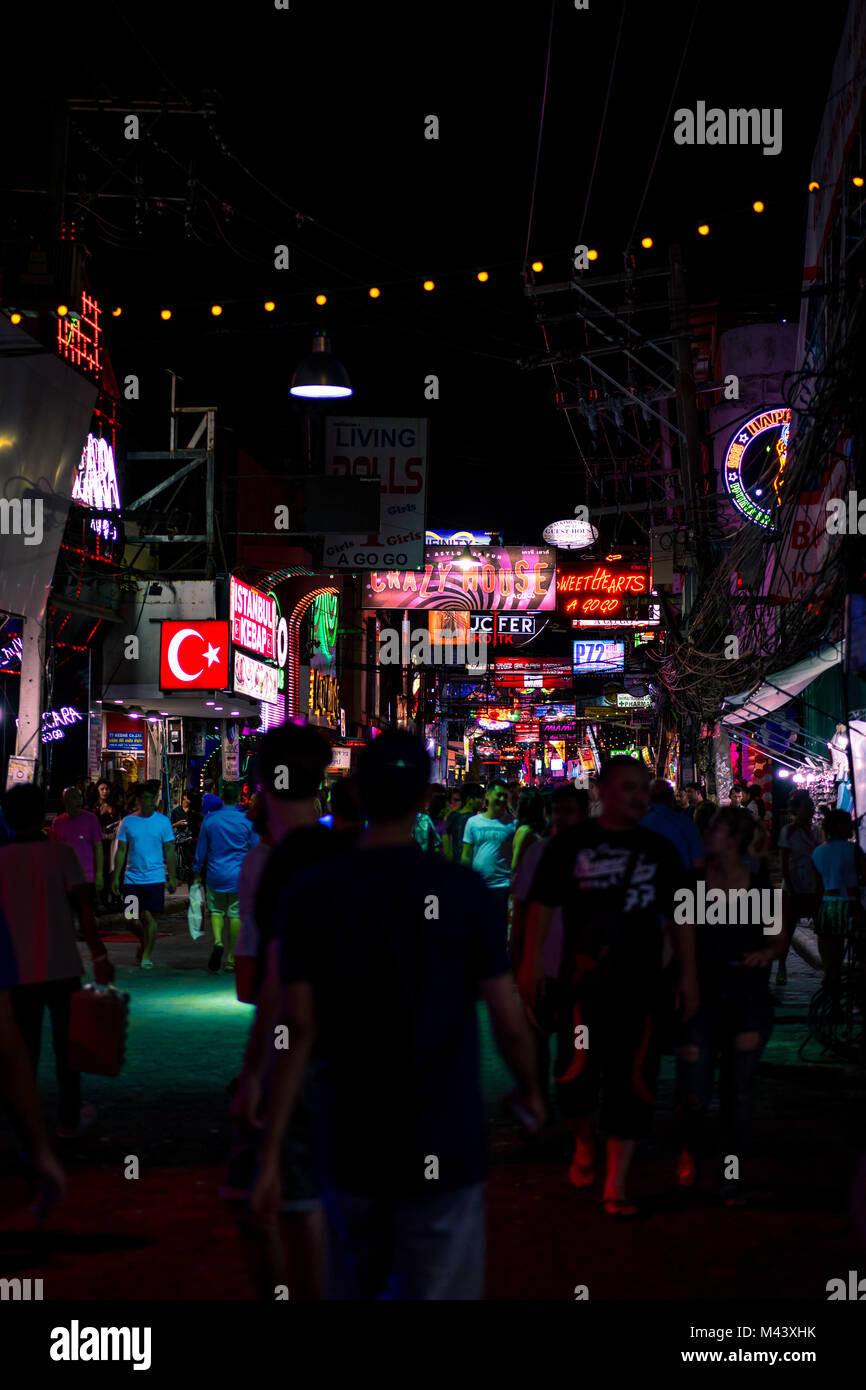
{"x": 615, "y": 882}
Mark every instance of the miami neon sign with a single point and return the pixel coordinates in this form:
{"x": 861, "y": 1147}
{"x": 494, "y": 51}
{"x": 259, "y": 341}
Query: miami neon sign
{"x": 744, "y": 453}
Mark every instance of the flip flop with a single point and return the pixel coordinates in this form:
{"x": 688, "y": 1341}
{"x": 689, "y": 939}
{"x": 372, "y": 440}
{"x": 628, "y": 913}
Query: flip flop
{"x": 145, "y": 964}
{"x": 618, "y": 1209}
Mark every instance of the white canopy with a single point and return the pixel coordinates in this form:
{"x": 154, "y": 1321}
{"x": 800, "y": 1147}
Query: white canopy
{"x": 778, "y": 689}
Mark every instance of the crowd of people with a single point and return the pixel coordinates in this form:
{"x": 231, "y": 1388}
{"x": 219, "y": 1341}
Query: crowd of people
{"x": 366, "y": 932}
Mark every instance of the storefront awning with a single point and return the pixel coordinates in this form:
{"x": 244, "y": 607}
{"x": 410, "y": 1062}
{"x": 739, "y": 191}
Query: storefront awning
{"x": 781, "y": 687}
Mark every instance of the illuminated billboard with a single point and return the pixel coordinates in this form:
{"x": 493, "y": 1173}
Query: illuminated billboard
{"x": 509, "y": 579}
{"x": 598, "y": 658}
{"x": 754, "y": 465}
{"x": 599, "y": 591}
{"x": 526, "y": 672}
{"x": 253, "y": 618}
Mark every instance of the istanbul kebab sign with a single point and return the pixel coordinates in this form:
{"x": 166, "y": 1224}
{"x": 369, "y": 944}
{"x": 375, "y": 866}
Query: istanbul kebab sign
{"x": 253, "y": 620}
{"x": 510, "y": 579}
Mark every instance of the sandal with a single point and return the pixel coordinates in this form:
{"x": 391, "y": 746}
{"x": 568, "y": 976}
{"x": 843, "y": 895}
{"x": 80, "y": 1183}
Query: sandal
{"x": 619, "y": 1209}
{"x": 581, "y": 1176}
{"x": 145, "y": 964}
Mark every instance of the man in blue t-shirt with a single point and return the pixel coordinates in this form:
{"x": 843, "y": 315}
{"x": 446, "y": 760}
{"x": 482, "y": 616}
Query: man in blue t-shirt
{"x": 223, "y": 841}
{"x": 676, "y": 826}
{"x": 145, "y": 844}
{"x": 487, "y": 843}
{"x": 210, "y": 801}
{"x": 394, "y": 950}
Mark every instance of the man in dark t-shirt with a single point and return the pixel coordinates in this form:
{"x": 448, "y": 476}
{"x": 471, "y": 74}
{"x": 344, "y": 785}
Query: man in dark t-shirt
{"x": 291, "y": 765}
{"x": 382, "y": 966}
{"x": 615, "y": 883}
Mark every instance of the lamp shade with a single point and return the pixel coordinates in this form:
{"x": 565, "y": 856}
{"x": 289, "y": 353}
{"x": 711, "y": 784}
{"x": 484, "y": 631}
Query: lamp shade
{"x": 321, "y": 376}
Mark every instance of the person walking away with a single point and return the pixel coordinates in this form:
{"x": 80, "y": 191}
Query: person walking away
{"x": 471, "y": 802}
{"x": 406, "y": 1212}
{"x": 663, "y": 818}
{"x": 81, "y": 830}
{"x": 487, "y": 840}
{"x": 616, "y": 882}
{"x": 210, "y": 802}
{"x": 223, "y": 841}
{"x": 796, "y": 844}
{"x": 840, "y": 870}
{"x": 291, "y": 765}
{"x": 531, "y": 825}
{"x": 569, "y": 807}
{"x": 18, "y": 1089}
{"x": 145, "y": 849}
{"x": 42, "y": 891}
{"x": 735, "y": 1017}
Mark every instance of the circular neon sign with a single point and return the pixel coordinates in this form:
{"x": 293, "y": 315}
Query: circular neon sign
{"x": 754, "y": 465}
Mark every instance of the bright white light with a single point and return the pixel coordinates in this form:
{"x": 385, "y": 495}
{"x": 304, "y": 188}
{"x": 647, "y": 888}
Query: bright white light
{"x": 784, "y": 772}
{"x": 320, "y": 392}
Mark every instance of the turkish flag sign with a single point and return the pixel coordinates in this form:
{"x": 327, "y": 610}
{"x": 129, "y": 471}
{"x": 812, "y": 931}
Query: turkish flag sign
{"x": 194, "y": 655}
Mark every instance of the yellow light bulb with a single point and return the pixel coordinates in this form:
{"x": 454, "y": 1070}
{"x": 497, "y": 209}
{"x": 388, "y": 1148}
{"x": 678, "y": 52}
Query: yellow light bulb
{"x": 758, "y": 207}
{"x": 813, "y": 186}
{"x": 483, "y": 276}
{"x": 429, "y": 285}
{"x": 646, "y": 242}
{"x": 592, "y": 255}
{"x": 270, "y": 306}
{"x": 216, "y": 310}
{"x": 857, "y": 181}
{"x": 62, "y": 311}
{"x": 537, "y": 266}
{"x": 165, "y": 314}
{"x": 374, "y": 293}
{"x": 116, "y": 313}
{"x": 321, "y": 299}
{"x": 15, "y": 318}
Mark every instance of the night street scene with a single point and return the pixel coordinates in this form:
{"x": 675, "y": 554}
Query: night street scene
{"x": 433, "y": 680}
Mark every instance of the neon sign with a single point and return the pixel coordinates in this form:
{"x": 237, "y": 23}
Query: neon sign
{"x": 253, "y": 619}
{"x": 54, "y": 722}
{"x": 79, "y": 336}
{"x": 747, "y": 471}
{"x": 596, "y": 590}
{"x": 96, "y": 484}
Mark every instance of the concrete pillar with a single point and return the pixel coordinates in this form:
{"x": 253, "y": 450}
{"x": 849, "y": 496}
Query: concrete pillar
{"x": 28, "y": 742}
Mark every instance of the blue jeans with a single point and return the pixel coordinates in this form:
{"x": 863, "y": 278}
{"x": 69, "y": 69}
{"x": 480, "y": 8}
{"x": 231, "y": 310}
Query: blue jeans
{"x": 407, "y": 1248}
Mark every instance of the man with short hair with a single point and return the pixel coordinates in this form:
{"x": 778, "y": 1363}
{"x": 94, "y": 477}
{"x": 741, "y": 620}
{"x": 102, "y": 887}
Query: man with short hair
{"x": 694, "y": 797}
{"x": 664, "y": 819}
{"x": 42, "y": 890}
{"x": 615, "y": 882}
{"x": 81, "y": 829}
{"x": 291, "y": 766}
{"x": 210, "y": 801}
{"x": 471, "y": 801}
{"x": 397, "y": 945}
{"x": 487, "y": 841}
{"x": 736, "y": 795}
{"x": 145, "y": 845}
{"x": 223, "y": 841}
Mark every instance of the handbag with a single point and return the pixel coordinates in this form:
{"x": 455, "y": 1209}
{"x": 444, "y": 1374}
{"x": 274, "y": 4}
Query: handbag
{"x": 98, "y": 1023}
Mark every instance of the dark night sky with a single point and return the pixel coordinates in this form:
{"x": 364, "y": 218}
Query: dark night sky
{"x": 325, "y": 105}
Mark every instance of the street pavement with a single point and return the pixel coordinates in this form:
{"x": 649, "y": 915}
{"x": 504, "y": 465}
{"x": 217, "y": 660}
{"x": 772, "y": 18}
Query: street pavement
{"x": 166, "y": 1235}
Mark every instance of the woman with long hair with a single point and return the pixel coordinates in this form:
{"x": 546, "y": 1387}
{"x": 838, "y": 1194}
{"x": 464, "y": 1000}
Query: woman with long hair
{"x": 735, "y": 1017}
{"x": 531, "y": 824}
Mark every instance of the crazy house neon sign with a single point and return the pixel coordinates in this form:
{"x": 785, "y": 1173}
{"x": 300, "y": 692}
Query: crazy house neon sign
{"x": 754, "y": 466}
{"x": 96, "y": 484}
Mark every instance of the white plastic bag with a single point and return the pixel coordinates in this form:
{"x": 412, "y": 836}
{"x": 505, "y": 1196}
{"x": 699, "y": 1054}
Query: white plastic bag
{"x": 194, "y": 911}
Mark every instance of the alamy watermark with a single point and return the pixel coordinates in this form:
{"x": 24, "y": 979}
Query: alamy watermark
{"x": 729, "y": 907}
{"x": 734, "y": 127}
{"x": 423, "y": 650}
{"x": 19, "y": 518}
